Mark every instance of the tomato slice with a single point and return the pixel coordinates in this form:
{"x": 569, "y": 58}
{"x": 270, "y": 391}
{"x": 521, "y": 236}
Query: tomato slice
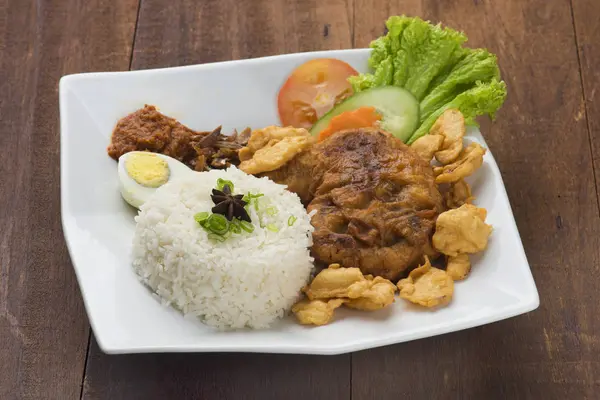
{"x": 312, "y": 90}
{"x": 364, "y": 117}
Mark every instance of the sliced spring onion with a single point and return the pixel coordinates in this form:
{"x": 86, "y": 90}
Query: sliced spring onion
{"x": 272, "y": 211}
{"x": 222, "y": 182}
{"x": 234, "y": 226}
{"x": 247, "y": 226}
{"x": 218, "y": 224}
{"x": 250, "y": 198}
{"x": 292, "y": 220}
{"x": 272, "y": 228}
{"x": 201, "y": 217}
{"x": 214, "y": 236}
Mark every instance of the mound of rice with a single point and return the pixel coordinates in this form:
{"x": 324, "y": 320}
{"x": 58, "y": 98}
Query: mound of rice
{"x": 250, "y": 279}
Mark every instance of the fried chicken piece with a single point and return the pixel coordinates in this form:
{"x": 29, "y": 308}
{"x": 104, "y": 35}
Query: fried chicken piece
{"x": 302, "y": 175}
{"x": 469, "y": 160}
{"x": 458, "y": 194}
{"x": 379, "y": 295}
{"x": 451, "y": 126}
{"x": 148, "y": 130}
{"x": 427, "y": 286}
{"x": 462, "y": 230}
{"x": 458, "y": 266}
{"x": 316, "y": 312}
{"x": 376, "y": 201}
{"x": 426, "y": 146}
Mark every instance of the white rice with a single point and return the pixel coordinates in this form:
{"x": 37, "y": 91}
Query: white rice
{"x": 250, "y": 279}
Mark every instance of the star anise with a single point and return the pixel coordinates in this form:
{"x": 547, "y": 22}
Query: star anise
{"x": 228, "y": 205}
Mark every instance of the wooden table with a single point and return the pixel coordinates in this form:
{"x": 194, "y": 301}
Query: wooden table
{"x": 546, "y": 140}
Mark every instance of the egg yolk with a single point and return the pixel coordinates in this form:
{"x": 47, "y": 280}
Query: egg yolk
{"x": 147, "y": 169}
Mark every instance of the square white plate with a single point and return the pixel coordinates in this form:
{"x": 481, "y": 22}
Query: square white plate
{"x": 99, "y": 226}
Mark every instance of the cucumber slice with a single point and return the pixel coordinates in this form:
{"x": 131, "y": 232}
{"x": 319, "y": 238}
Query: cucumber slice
{"x": 398, "y": 107}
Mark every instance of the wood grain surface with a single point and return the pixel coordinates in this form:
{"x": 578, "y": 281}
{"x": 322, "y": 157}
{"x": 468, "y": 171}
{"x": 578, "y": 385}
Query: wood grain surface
{"x": 43, "y": 326}
{"x": 546, "y": 141}
{"x": 586, "y": 19}
{"x": 554, "y": 352}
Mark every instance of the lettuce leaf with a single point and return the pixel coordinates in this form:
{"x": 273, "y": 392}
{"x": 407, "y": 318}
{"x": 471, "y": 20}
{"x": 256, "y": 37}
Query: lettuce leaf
{"x": 477, "y": 65}
{"x": 483, "y": 98}
{"x": 430, "y": 62}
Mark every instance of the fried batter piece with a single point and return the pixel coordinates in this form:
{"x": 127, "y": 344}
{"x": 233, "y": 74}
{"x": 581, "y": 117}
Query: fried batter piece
{"x": 346, "y": 285}
{"x": 376, "y": 200}
{"x": 451, "y": 126}
{"x": 379, "y": 295}
{"x": 426, "y": 146}
{"x": 458, "y": 266}
{"x": 316, "y": 312}
{"x": 427, "y": 286}
{"x": 458, "y": 194}
{"x": 272, "y": 147}
{"x": 468, "y": 161}
{"x": 462, "y": 230}
{"x": 337, "y": 282}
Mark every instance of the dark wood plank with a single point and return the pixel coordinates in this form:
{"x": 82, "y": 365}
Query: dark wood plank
{"x": 188, "y": 32}
{"x": 43, "y": 328}
{"x": 191, "y": 32}
{"x": 540, "y": 142}
{"x": 587, "y": 27}
{"x": 216, "y": 376}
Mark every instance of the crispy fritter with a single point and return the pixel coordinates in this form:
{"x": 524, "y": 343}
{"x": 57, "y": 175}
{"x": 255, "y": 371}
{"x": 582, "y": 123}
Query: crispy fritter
{"x": 379, "y": 295}
{"x": 316, "y": 312}
{"x": 451, "y": 126}
{"x": 427, "y": 286}
{"x": 272, "y": 147}
{"x": 469, "y": 160}
{"x": 426, "y": 146}
{"x": 335, "y": 286}
{"x": 458, "y": 266}
{"x": 458, "y": 194}
{"x": 462, "y": 230}
{"x": 337, "y": 282}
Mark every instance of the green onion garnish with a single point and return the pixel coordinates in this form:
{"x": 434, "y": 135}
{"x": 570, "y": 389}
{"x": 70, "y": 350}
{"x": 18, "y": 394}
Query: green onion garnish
{"x": 252, "y": 198}
{"x": 292, "y": 220}
{"x": 222, "y": 182}
{"x": 272, "y": 228}
{"x": 218, "y": 224}
{"x": 216, "y": 237}
{"x": 272, "y": 211}
{"x": 234, "y": 226}
{"x": 247, "y": 226}
{"x": 201, "y": 217}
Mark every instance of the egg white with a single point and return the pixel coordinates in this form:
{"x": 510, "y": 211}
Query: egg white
{"x": 136, "y": 194}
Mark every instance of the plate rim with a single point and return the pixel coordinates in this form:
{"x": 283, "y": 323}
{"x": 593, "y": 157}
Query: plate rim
{"x": 529, "y": 304}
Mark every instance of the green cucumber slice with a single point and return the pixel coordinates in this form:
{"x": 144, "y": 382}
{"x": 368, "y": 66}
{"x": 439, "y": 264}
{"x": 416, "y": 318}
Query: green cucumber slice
{"x": 398, "y": 107}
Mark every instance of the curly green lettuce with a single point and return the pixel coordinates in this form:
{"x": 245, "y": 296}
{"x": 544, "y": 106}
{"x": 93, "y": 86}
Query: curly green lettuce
{"x": 430, "y": 62}
{"x": 483, "y": 98}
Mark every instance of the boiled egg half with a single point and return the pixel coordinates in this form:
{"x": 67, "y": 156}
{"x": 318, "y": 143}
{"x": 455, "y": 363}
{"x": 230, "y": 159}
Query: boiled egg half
{"x": 141, "y": 173}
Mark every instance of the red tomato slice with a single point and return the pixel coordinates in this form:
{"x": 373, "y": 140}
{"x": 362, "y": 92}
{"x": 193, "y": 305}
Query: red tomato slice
{"x": 312, "y": 90}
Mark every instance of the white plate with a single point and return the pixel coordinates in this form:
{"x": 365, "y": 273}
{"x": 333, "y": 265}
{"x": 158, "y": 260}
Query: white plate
{"x": 98, "y": 225}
